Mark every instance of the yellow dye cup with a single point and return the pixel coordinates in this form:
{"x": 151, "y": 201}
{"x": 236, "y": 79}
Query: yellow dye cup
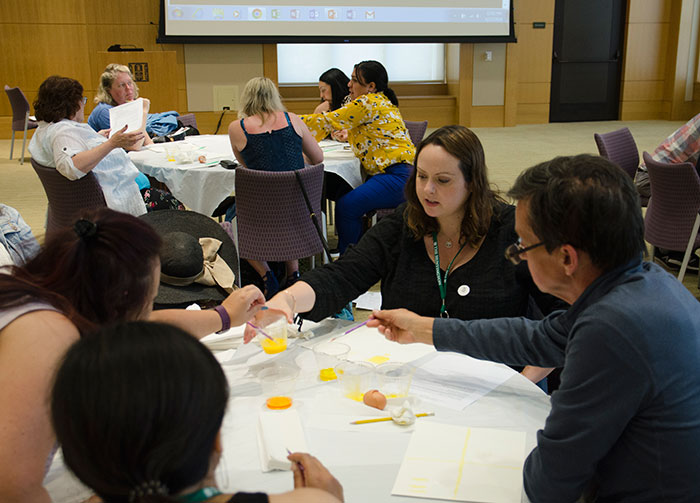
{"x": 328, "y": 355}
{"x": 278, "y": 384}
{"x": 274, "y": 325}
{"x": 355, "y": 378}
{"x": 394, "y": 379}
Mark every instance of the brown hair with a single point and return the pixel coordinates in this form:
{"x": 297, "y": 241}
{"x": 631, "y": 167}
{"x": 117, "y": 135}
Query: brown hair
{"x": 58, "y": 99}
{"x": 463, "y": 144}
{"x": 98, "y": 272}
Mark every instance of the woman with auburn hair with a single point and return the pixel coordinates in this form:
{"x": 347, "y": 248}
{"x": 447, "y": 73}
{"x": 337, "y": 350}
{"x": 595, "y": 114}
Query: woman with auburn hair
{"x": 64, "y": 142}
{"x": 132, "y": 429}
{"x": 439, "y": 254}
{"x": 103, "y": 270}
{"x": 269, "y": 138}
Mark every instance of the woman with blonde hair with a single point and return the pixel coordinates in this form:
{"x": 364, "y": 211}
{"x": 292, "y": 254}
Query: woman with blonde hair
{"x": 269, "y": 138}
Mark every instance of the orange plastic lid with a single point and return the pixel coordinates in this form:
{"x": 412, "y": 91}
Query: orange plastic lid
{"x": 279, "y": 402}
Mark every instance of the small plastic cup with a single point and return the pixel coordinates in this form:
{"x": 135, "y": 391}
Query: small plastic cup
{"x": 355, "y": 378}
{"x": 394, "y": 379}
{"x": 275, "y": 326}
{"x": 328, "y": 355}
{"x": 278, "y": 385}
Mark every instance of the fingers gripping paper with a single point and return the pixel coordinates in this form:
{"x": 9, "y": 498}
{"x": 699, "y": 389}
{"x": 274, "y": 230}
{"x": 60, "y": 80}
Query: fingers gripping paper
{"x": 462, "y": 464}
{"x": 277, "y": 432}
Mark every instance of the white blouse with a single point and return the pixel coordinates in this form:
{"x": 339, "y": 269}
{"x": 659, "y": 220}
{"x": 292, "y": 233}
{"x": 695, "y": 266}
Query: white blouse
{"x": 54, "y": 145}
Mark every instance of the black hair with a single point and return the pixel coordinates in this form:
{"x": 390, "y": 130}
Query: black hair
{"x": 374, "y": 71}
{"x": 138, "y": 406}
{"x": 58, "y": 98}
{"x": 587, "y": 202}
{"x": 338, "y": 82}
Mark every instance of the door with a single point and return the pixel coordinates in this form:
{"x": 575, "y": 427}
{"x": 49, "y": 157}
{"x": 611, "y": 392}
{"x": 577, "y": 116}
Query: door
{"x": 587, "y": 60}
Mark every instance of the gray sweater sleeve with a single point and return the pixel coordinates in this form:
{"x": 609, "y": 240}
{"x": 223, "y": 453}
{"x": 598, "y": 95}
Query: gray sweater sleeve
{"x": 513, "y": 341}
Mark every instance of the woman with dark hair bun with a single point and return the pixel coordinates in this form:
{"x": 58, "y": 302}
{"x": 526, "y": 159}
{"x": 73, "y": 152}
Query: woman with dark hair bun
{"x": 132, "y": 429}
{"x": 333, "y": 88}
{"x": 373, "y": 126}
{"x": 103, "y": 270}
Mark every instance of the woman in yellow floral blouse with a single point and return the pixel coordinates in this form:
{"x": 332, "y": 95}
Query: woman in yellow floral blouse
{"x": 373, "y": 126}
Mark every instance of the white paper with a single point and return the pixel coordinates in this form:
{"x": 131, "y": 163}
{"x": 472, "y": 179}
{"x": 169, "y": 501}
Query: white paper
{"x": 458, "y": 463}
{"x": 277, "y": 432}
{"x": 130, "y": 113}
{"x": 455, "y": 380}
{"x": 369, "y": 301}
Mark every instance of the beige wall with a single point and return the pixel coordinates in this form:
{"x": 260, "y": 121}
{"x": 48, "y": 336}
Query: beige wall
{"x": 65, "y": 37}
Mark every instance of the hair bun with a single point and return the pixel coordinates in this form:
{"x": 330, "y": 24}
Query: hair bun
{"x": 85, "y": 228}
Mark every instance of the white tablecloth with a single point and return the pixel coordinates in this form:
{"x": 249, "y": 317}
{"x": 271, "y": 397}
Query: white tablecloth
{"x": 365, "y": 460}
{"x": 202, "y": 188}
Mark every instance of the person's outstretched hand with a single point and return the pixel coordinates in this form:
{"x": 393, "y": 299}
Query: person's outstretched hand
{"x": 402, "y": 326}
{"x": 241, "y": 305}
{"x": 279, "y": 304}
{"x": 310, "y": 472}
{"x": 124, "y": 140}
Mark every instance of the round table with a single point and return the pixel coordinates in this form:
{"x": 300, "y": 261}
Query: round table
{"x": 201, "y": 187}
{"x": 364, "y": 458}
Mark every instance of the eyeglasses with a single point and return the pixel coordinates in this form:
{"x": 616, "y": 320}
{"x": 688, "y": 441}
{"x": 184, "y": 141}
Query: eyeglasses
{"x": 514, "y": 251}
{"x": 84, "y": 100}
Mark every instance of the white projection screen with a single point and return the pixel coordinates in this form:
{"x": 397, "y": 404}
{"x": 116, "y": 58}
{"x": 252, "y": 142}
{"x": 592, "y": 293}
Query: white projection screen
{"x": 289, "y": 21}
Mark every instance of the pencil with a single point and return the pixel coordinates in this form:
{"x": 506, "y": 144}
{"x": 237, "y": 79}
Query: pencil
{"x": 380, "y": 419}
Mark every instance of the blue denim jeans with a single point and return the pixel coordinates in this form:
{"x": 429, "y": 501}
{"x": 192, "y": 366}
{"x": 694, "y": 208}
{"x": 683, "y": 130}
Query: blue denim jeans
{"x": 384, "y": 190}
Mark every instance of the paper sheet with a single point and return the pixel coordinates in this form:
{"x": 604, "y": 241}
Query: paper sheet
{"x": 462, "y": 464}
{"x": 455, "y": 381}
{"x": 369, "y": 301}
{"x": 130, "y": 113}
{"x": 277, "y": 432}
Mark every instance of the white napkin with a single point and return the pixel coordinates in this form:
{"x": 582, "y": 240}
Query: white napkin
{"x": 277, "y": 432}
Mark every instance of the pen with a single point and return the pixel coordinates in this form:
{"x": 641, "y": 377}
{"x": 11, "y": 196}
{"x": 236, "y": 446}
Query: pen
{"x": 356, "y": 327}
{"x": 380, "y": 419}
{"x": 301, "y": 467}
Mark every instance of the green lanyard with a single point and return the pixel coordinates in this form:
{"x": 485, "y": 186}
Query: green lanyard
{"x": 201, "y": 495}
{"x": 443, "y": 285}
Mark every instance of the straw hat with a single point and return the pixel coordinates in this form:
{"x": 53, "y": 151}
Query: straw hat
{"x": 182, "y": 256}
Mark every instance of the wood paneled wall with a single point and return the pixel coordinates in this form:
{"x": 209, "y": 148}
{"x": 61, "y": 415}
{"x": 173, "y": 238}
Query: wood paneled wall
{"x": 64, "y": 37}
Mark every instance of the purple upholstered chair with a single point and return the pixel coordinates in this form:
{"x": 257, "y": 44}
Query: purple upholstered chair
{"x": 67, "y": 198}
{"x": 620, "y": 148}
{"x": 416, "y": 130}
{"x": 20, "y": 117}
{"x": 672, "y": 218}
{"x": 188, "y": 120}
{"x": 274, "y": 223}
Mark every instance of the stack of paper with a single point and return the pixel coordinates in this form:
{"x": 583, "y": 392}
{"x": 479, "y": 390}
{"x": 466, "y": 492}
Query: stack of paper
{"x": 277, "y": 432}
{"x": 129, "y": 114}
{"x": 462, "y": 464}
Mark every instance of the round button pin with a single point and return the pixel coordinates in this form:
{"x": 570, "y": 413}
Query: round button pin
{"x": 464, "y": 290}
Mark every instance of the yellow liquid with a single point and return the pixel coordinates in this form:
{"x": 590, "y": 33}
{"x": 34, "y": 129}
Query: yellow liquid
{"x": 379, "y": 359}
{"x": 327, "y": 374}
{"x": 273, "y": 346}
{"x": 355, "y": 395}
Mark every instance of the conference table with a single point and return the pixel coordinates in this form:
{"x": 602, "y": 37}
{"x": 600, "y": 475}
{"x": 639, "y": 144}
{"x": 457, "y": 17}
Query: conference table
{"x": 365, "y": 458}
{"x": 201, "y": 186}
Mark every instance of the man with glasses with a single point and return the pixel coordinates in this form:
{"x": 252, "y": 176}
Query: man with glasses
{"x": 625, "y": 422}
